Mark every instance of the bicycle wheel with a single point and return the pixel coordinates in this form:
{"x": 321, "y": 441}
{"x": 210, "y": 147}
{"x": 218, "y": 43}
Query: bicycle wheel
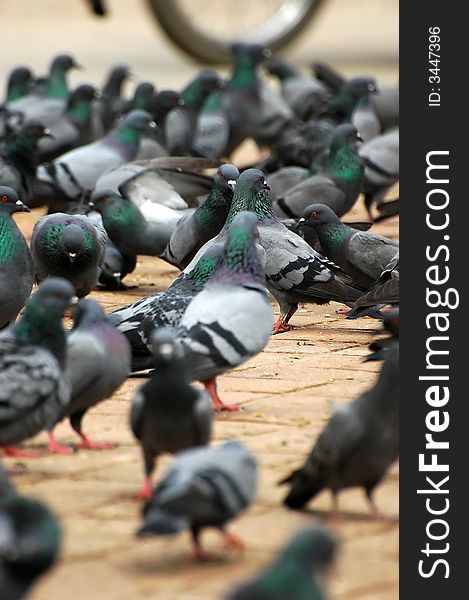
{"x": 205, "y": 29}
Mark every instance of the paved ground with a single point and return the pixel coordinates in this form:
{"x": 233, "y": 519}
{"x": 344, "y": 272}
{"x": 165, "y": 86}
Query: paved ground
{"x": 286, "y": 393}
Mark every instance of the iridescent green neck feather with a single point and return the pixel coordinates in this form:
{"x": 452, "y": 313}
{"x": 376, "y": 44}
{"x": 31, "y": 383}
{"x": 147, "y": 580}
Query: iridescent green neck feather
{"x": 244, "y": 74}
{"x": 10, "y": 240}
{"x": 344, "y": 163}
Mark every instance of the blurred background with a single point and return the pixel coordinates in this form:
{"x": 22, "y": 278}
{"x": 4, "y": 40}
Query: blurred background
{"x": 355, "y": 36}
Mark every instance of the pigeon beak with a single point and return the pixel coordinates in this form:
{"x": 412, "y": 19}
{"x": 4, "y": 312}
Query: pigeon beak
{"x": 301, "y": 222}
{"x": 22, "y": 207}
{"x": 117, "y": 275}
{"x": 48, "y": 133}
{"x": 231, "y": 183}
{"x": 73, "y": 300}
{"x": 72, "y": 256}
{"x": 359, "y": 137}
{"x": 78, "y": 67}
{"x": 266, "y": 185}
{"x": 152, "y": 125}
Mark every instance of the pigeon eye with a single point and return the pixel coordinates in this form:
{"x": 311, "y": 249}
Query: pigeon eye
{"x": 314, "y": 214}
{"x": 4, "y": 198}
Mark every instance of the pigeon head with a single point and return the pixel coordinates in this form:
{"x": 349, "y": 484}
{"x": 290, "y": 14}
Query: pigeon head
{"x": 240, "y": 263}
{"x": 19, "y": 83}
{"x": 312, "y": 546}
{"x": 361, "y": 86}
{"x": 55, "y": 295}
{"x": 87, "y": 311}
{"x": 168, "y": 99}
{"x": 352, "y": 93}
{"x": 10, "y": 201}
{"x": 255, "y": 52}
{"x": 164, "y": 346}
{"x": 226, "y": 176}
{"x": 34, "y": 131}
{"x": 84, "y": 93}
{"x": 135, "y": 124}
{"x": 34, "y": 539}
{"x": 345, "y": 135}
{"x": 206, "y": 82}
{"x": 63, "y": 63}
{"x": 143, "y": 96}
{"x": 318, "y": 215}
{"x": 115, "y": 80}
{"x": 73, "y": 242}
{"x": 120, "y": 216}
{"x": 251, "y": 193}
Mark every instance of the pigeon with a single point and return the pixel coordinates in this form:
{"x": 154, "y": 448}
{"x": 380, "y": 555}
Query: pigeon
{"x": 193, "y": 231}
{"x": 47, "y": 107}
{"x": 76, "y": 171}
{"x": 16, "y": 264}
{"x": 241, "y": 100}
{"x": 127, "y": 227}
{"x": 384, "y": 291}
{"x": 204, "y": 487}
{"x": 30, "y": 540}
{"x": 337, "y": 186}
{"x": 294, "y": 271}
{"x": 111, "y": 101}
{"x": 386, "y": 105}
{"x": 231, "y": 319}
{"x": 306, "y": 96}
{"x": 19, "y": 158}
{"x": 363, "y": 255}
{"x": 69, "y": 246}
{"x": 348, "y": 98}
{"x": 357, "y": 446}
{"x": 163, "y": 308}
{"x": 19, "y": 83}
{"x": 289, "y": 576}
{"x": 74, "y": 128}
{"x": 33, "y": 388}
{"x": 365, "y": 119}
{"x": 167, "y": 413}
{"x": 180, "y": 123}
{"x": 212, "y": 132}
{"x": 98, "y": 363}
{"x": 380, "y": 158}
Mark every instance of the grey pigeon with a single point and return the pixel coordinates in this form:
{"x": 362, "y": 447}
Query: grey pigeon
{"x": 76, "y": 171}
{"x": 127, "y": 227}
{"x": 167, "y": 413}
{"x": 294, "y": 271}
{"x": 337, "y": 186}
{"x": 306, "y": 96}
{"x": 33, "y": 388}
{"x": 30, "y": 539}
{"x": 357, "y": 446}
{"x": 69, "y": 246}
{"x": 204, "y": 487}
{"x": 74, "y": 128}
{"x": 180, "y": 123}
{"x": 380, "y": 158}
{"x": 206, "y": 222}
{"x": 19, "y": 158}
{"x": 98, "y": 363}
{"x": 16, "y": 264}
{"x": 111, "y": 101}
{"x": 231, "y": 319}
{"x": 363, "y": 255}
{"x": 163, "y": 308}
{"x": 288, "y": 576}
{"x": 47, "y": 106}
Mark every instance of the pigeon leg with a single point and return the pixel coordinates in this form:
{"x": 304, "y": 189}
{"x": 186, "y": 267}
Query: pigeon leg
{"x": 211, "y": 387}
{"x": 282, "y": 325}
{"x": 233, "y": 541}
{"x": 75, "y": 422}
{"x": 146, "y": 490}
{"x": 198, "y": 553}
{"x": 335, "y": 505}
{"x": 368, "y": 203}
{"x": 54, "y": 448}
{"x": 17, "y": 453}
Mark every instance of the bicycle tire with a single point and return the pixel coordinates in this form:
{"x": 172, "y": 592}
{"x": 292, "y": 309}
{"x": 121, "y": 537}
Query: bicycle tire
{"x": 208, "y": 49}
